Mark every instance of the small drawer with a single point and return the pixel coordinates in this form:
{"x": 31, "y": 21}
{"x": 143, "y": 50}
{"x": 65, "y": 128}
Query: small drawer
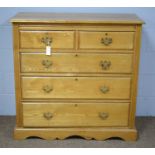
{"x": 75, "y": 114}
{"x": 106, "y": 40}
{"x": 76, "y": 87}
{"x": 76, "y": 63}
{"x": 40, "y": 39}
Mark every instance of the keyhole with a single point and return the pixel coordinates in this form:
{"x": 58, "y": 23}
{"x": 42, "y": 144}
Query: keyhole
{"x": 75, "y": 105}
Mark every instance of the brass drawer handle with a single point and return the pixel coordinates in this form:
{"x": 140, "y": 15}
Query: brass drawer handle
{"x": 46, "y": 40}
{"x": 104, "y": 89}
{"x": 47, "y": 63}
{"x": 48, "y": 115}
{"x": 106, "y": 41}
{"x": 105, "y": 64}
{"x": 47, "y": 89}
{"x": 103, "y": 115}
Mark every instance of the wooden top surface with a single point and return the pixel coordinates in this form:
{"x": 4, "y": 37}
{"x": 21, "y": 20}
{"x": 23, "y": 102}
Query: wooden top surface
{"x": 76, "y": 18}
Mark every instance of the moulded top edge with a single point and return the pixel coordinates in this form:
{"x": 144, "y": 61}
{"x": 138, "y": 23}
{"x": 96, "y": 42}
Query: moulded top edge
{"x": 77, "y": 18}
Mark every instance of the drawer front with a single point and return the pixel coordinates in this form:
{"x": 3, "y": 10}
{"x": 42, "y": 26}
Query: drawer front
{"x": 76, "y": 87}
{"x": 106, "y": 40}
{"x": 37, "y": 39}
{"x": 74, "y": 115}
{"x": 77, "y": 63}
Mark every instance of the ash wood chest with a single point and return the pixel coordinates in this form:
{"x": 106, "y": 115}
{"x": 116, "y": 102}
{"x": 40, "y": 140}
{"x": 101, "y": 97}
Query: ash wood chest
{"x": 76, "y": 74}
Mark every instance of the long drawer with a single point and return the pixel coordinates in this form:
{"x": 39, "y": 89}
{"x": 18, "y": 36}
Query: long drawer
{"x": 39, "y": 39}
{"x": 76, "y": 87}
{"x": 106, "y": 40}
{"x": 76, "y": 63}
{"x": 75, "y": 115}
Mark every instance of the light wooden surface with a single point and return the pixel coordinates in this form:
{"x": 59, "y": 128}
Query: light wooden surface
{"x": 76, "y": 87}
{"x": 17, "y": 75}
{"x": 72, "y": 83}
{"x": 97, "y": 133}
{"x": 75, "y": 114}
{"x": 92, "y": 40}
{"x": 76, "y": 63}
{"x": 79, "y": 27}
{"x": 76, "y": 18}
{"x": 135, "y": 77}
{"x": 60, "y": 39}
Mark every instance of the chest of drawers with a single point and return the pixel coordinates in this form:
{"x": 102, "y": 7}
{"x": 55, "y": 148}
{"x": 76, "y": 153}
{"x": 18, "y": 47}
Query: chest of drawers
{"x": 87, "y": 86}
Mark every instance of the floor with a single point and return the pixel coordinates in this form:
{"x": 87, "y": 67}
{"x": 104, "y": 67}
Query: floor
{"x": 145, "y": 126}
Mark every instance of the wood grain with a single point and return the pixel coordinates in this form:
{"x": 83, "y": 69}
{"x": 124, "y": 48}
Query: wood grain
{"x": 76, "y": 18}
{"x": 76, "y": 87}
{"x": 76, "y": 63}
{"x": 134, "y": 86}
{"x": 87, "y": 133}
{"x": 78, "y": 27}
{"x": 60, "y": 39}
{"x": 17, "y": 75}
{"x": 75, "y": 114}
{"x": 92, "y": 40}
